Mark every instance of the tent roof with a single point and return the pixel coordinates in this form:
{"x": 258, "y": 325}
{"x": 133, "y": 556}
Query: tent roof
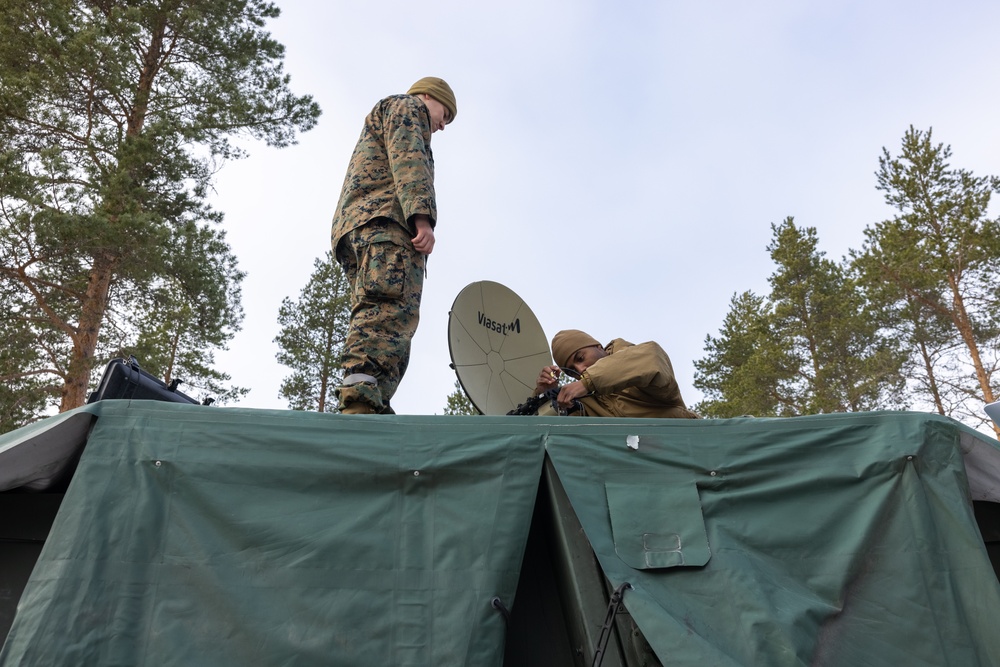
{"x": 199, "y": 535}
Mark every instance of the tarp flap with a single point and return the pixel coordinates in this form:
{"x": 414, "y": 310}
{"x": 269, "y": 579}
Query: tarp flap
{"x": 835, "y": 539}
{"x": 982, "y": 465}
{"x": 213, "y": 536}
{"x": 657, "y": 525}
{"x": 40, "y": 455}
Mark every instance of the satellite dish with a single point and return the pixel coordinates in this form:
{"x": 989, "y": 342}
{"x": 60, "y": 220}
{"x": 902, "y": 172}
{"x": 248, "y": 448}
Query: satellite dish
{"x": 497, "y": 347}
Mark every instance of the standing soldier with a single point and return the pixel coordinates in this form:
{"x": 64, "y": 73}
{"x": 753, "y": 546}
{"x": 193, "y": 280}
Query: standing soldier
{"x": 383, "y": 230}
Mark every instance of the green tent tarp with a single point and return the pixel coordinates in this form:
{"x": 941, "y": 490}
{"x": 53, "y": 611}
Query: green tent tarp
{"x": 827, "y": 540}
{"x": 192, "y": 535}
{"x": 199, "y": 536}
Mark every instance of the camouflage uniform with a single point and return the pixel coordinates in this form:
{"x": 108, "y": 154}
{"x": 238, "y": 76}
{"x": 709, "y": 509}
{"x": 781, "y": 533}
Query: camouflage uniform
{"x": 389, "y": 180}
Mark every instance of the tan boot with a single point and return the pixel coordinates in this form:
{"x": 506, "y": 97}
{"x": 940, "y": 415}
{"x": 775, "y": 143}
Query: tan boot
{"x": 357, "y": 408}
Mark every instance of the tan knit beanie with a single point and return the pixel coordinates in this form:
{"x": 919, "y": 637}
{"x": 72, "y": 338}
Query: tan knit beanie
{"x": 439, "y": 90}
{"x": 566, "y": 343}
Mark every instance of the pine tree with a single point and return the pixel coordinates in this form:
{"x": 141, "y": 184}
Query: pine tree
{"x": 459, "y": 403}
{"x": 814, "y": 345}
{"x": 747, "y": 370}
{"x": 937, "y": 263}
{"x": 113, "y": 119}
{"x": 844, "y": 360}
{"x": 311, "y": 340}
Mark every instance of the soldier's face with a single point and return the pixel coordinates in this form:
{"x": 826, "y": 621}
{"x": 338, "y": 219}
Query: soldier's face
{"x": 585, "y": 357}
{"x": 439, "y": 112}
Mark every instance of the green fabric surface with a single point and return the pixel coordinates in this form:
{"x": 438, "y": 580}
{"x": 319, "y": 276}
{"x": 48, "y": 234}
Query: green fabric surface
{"x": 657, "y": 525}
{"x": 196, "y": 535}
{"x": 835, "y": 539}
{"x": 206, "y": 536}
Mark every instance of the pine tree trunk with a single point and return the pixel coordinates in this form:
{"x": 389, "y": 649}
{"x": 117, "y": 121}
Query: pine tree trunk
{"x": 961, "y": 318}
{"x": 931, "y": 379}
{"x": 93, "y": 308}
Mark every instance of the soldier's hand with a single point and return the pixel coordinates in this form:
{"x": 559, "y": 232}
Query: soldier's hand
{"x": 424, "y": 239}
{"x": 570, "y": 393}
{"x": 547, "y": 379}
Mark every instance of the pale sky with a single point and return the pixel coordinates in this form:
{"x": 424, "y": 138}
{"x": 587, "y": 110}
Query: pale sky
{"x": 616, "y": 164}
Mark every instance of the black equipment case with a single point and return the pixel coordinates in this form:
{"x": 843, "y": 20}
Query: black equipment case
{"x": 124, "y": 379}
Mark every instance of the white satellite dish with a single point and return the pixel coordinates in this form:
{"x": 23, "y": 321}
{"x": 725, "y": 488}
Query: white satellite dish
{"x": 497, "y": 347}
{"x": 993, "y": 410}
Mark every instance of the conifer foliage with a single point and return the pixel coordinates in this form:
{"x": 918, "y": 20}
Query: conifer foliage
{"x": 814, "y": 345}
{"x": 912, "y": 319}
{"x": 311, "y": 340}
{"x": 114, "y": 117}
{"x": 936, "y": 266}
{"x": 458, "y": 403}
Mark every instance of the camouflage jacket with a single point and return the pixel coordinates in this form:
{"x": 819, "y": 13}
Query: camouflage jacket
{"x": 633, "y": 381}
{"x": 391, "y": 173}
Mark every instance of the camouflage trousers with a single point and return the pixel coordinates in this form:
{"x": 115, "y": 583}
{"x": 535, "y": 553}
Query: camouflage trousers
{"x": 386, "y": 274}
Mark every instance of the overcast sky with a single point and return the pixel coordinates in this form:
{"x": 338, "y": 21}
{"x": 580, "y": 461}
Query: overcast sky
{"x": 617, "y": 164}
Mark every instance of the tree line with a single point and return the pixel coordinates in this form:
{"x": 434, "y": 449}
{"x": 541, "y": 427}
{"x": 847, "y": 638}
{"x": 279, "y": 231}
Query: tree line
{"x": 114, "y": 118}
{"x": 910, "y": 320}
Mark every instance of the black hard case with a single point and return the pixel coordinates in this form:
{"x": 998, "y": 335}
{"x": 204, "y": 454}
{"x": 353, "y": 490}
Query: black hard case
{"x": 123, "y": 378}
